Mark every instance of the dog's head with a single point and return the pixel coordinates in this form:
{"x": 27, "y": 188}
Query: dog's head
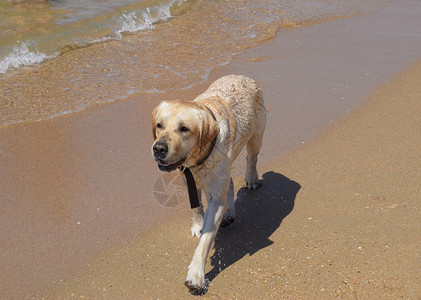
{"x": 183, "y": 132}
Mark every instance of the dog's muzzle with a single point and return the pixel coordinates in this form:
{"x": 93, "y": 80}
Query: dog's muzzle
{"x": 168, "y": 167}
{"x": 160, "y": 151}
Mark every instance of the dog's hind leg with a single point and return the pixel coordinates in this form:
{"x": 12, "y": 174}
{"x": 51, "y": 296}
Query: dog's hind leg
{"x": 253, "y": 149}
{"x": 196, "y": 229}
{"x": 229, "y": 216}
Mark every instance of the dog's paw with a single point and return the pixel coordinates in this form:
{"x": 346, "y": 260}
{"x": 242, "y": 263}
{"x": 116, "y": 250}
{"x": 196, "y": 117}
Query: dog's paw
{"x": 196, "y": 230}
{"x": 252, "y": 181}
{"x": 195, "y": 281}
{"x": 252, "y": 185}
{"x": 227, "y": 221}
{"x": 196, "y": 289}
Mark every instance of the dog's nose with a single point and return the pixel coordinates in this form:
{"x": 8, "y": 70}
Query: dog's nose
{"x": 160, "y": 149}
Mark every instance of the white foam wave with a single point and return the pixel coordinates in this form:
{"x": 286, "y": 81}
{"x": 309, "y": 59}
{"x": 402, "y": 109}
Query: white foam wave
{"x": 20, "y": 55}
{"x": 131, "y": 21}
{"x": 141, "y": 20}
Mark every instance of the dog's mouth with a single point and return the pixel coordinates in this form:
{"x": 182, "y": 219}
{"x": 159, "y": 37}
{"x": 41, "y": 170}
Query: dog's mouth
{"x": 168, "y": 167}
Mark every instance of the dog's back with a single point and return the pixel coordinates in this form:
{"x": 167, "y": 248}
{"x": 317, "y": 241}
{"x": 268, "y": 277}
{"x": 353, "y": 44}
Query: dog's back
{"x": 239, "y": 98}
{"x": 240, "y": 91}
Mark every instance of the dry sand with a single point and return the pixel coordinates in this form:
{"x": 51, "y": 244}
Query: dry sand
{"x": 340, "y": 216}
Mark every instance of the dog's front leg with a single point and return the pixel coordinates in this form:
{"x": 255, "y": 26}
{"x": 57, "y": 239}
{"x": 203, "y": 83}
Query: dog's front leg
{"x": 196, "y": 229}
{"x": 195, "y": 279}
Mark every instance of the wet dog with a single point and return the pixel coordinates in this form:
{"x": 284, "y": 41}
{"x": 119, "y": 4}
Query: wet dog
{"x": 206, "y": 135}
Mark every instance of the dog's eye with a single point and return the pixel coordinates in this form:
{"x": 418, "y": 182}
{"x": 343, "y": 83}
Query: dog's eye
{"x": 159, "y": 125}
{"x": 184, "y": 129}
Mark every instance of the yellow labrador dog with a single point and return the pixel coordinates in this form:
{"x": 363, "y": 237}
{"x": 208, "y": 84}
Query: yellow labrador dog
{"x": 206, "y": 135}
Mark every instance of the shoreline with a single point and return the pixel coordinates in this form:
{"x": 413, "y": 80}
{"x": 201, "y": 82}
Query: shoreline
{"x": 90, "y": 73}
{"x": 83, "y": 183}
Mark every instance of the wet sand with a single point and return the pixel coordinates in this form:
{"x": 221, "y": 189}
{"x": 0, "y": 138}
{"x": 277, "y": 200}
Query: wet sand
{"x": 337, "y": 217}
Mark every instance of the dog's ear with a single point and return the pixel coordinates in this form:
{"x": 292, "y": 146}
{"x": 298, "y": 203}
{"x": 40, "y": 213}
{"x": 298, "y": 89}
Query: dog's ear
{"x": 208, "y": 129}
{"x": 154, "y": 114}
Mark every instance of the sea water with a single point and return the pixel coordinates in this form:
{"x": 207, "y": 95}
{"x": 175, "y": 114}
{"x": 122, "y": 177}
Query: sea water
{"x": 59, "y": 57}
{"x": 34, "y": 30}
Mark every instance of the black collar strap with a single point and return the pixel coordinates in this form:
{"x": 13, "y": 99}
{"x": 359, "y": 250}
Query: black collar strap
{"x": 191, "y": 184}
{"x": 191, "y": 187}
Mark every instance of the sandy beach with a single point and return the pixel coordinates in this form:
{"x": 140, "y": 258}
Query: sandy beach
{"x": 338, "y": 214}
{"x": 339, "y": 217}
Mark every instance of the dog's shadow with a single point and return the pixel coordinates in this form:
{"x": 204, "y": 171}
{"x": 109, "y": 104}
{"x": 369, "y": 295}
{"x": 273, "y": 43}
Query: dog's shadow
{"x": 259, "y": 213}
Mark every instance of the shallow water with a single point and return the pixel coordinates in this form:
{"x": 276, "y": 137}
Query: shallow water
{"x": 59, "y": 57}
{"x": 32, "y": 31}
